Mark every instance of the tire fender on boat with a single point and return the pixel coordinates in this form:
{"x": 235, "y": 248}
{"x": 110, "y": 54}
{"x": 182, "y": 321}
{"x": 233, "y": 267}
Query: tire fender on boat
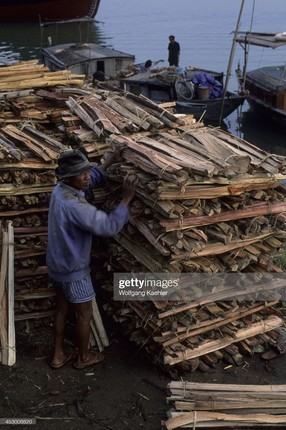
{"x": 184, "y": 89}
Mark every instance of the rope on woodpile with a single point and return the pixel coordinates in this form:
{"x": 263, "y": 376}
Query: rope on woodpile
{"x": 268, "y": 156}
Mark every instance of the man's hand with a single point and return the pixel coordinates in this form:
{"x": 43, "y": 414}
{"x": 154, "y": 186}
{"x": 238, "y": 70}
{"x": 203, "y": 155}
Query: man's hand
{"x": 128, "y": 189}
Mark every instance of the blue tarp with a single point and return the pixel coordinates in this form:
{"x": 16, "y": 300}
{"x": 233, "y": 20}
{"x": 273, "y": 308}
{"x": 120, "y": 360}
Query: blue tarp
{"x": 204, "y": 80}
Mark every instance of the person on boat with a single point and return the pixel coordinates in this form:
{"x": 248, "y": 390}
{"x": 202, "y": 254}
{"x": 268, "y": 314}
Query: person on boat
{"x": 98, "y": 77}
{"x": 72, "y": 222}
{"x": 174, "y": 51}
{"x": 147, "y": 66}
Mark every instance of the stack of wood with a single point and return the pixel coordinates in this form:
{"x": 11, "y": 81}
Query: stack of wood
{"x": 31, "y": 139}
{"x": 206, "y": 202}
{"x": 199, "y": 405}
{"x": 36, "y": 125}
{"x": 28, "y": 159}
{"x": 32, "y": 74}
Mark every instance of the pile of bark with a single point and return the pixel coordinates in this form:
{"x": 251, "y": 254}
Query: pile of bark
{"x": 206, "y": 202}
{"x": 36, "y": 126}
{"x": 199, "y": 405}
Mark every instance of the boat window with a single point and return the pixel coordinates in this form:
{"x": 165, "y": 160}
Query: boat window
{"x": 135, "y": 89}
{"x": 100, "y": 66}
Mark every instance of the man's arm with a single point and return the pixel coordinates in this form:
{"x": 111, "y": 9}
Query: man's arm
{"x": 89, "y": 218}
{"x": 114, "y": 157}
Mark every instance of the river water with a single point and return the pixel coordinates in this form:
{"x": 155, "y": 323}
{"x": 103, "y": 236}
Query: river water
{"x": 202, "y": 27}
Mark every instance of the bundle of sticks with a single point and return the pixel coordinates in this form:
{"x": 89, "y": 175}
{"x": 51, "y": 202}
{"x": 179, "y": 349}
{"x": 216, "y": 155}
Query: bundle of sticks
{"x": 201, "y": 405}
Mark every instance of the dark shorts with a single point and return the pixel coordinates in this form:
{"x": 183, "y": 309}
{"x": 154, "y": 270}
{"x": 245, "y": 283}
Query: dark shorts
{"x": 76, "y": 291}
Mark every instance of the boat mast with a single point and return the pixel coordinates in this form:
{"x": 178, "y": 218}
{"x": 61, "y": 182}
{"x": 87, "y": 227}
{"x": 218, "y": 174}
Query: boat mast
{"x": 246, "y": 49}
{"x": 230, "y": 61}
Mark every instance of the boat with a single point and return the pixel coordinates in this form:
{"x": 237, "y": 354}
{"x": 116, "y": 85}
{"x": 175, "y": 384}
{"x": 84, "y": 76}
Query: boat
{"x": 195, "y": 91}
{"x": 86, "y": 58}
{"x": 265, "y": 87}
{"x": 46, "y": 10}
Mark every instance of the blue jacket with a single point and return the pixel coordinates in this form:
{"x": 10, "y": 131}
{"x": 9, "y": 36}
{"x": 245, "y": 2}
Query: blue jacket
{"x": 72, "y": 222}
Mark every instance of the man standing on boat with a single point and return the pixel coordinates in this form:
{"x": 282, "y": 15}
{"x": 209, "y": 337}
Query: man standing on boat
{"x": 174, "y": 52}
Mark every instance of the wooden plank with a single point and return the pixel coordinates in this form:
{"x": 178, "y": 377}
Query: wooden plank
{"x": 215, "y": 419}
{"x": 246, "y": 388}
{"x": 3, "y": 297}
{"x": 11, "y": 341}
{"x": 30, "y": 143}
{"x": 219, "y": 248}
{"x": 99, "y": 324}
{"x": 110, "y": 101}
{"x": 208, "y": 192}
{"x": 259, "y": 209}
{"x": 218, "y": 322}
{"x": 224, "y": 403}
{"x": 212, "y": 345}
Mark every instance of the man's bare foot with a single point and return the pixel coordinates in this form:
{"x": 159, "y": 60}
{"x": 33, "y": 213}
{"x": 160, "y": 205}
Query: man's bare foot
{"x": 91, "y": 359}
{"x": 67, "y": 358}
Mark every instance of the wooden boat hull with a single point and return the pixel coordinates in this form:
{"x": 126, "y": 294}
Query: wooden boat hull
{"x": 277, "y": 116}
{"x": 46, "y": 10}
{"x": 210, "y": 110}
{"x": 266, "y": 88}
{"x": 164, "y": 86}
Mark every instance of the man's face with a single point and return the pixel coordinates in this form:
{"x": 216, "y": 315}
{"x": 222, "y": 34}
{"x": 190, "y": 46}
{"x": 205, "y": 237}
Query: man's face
{"x": 80, "y": 182}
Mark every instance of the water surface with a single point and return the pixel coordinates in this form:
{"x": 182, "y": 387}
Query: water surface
{"x": 204, "y": 29}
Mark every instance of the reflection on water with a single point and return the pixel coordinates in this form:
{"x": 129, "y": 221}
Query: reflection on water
{"x": 266, "y": 135}
{"x": 245, "y": 124}
{"x": 28, "y": 38}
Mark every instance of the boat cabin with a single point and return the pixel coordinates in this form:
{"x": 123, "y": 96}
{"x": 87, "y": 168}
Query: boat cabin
{"x": 264, "y": 87}
{"x": 269, "y": 85}
{"x": 86, "y": 58}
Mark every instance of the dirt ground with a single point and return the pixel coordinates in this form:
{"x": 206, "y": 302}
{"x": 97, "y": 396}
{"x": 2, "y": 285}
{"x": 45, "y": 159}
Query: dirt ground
{"x": 126, "y": 391}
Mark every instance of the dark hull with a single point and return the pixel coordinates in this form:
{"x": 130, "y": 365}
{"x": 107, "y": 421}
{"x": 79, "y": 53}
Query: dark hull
{"x": 277, "y": 116}
{"x": 210, "y": 110}
{"x": 266, "y": 93}
{"x": 190, "y": 98}
{"x": 46, "y": 10}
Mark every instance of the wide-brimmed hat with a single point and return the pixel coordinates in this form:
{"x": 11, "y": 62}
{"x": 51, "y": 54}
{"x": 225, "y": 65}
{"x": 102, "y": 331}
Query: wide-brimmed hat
{"x": 71, "y": 163}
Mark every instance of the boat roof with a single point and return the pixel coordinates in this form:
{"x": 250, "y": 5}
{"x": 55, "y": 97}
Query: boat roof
{"x": 272, "y": 78}
{"x": 74, "y": 53}
{"x": 266, "y": 40}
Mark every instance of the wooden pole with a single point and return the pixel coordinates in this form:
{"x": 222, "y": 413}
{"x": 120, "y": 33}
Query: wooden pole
{"x": 11, "y": 319}
{"x": 231, "y": 59}
{"x": 3, "y": 300}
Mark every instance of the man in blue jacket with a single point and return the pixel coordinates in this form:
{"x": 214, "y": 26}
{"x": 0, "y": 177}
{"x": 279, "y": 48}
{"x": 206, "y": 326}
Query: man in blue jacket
{"x": 71, "y": 224}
